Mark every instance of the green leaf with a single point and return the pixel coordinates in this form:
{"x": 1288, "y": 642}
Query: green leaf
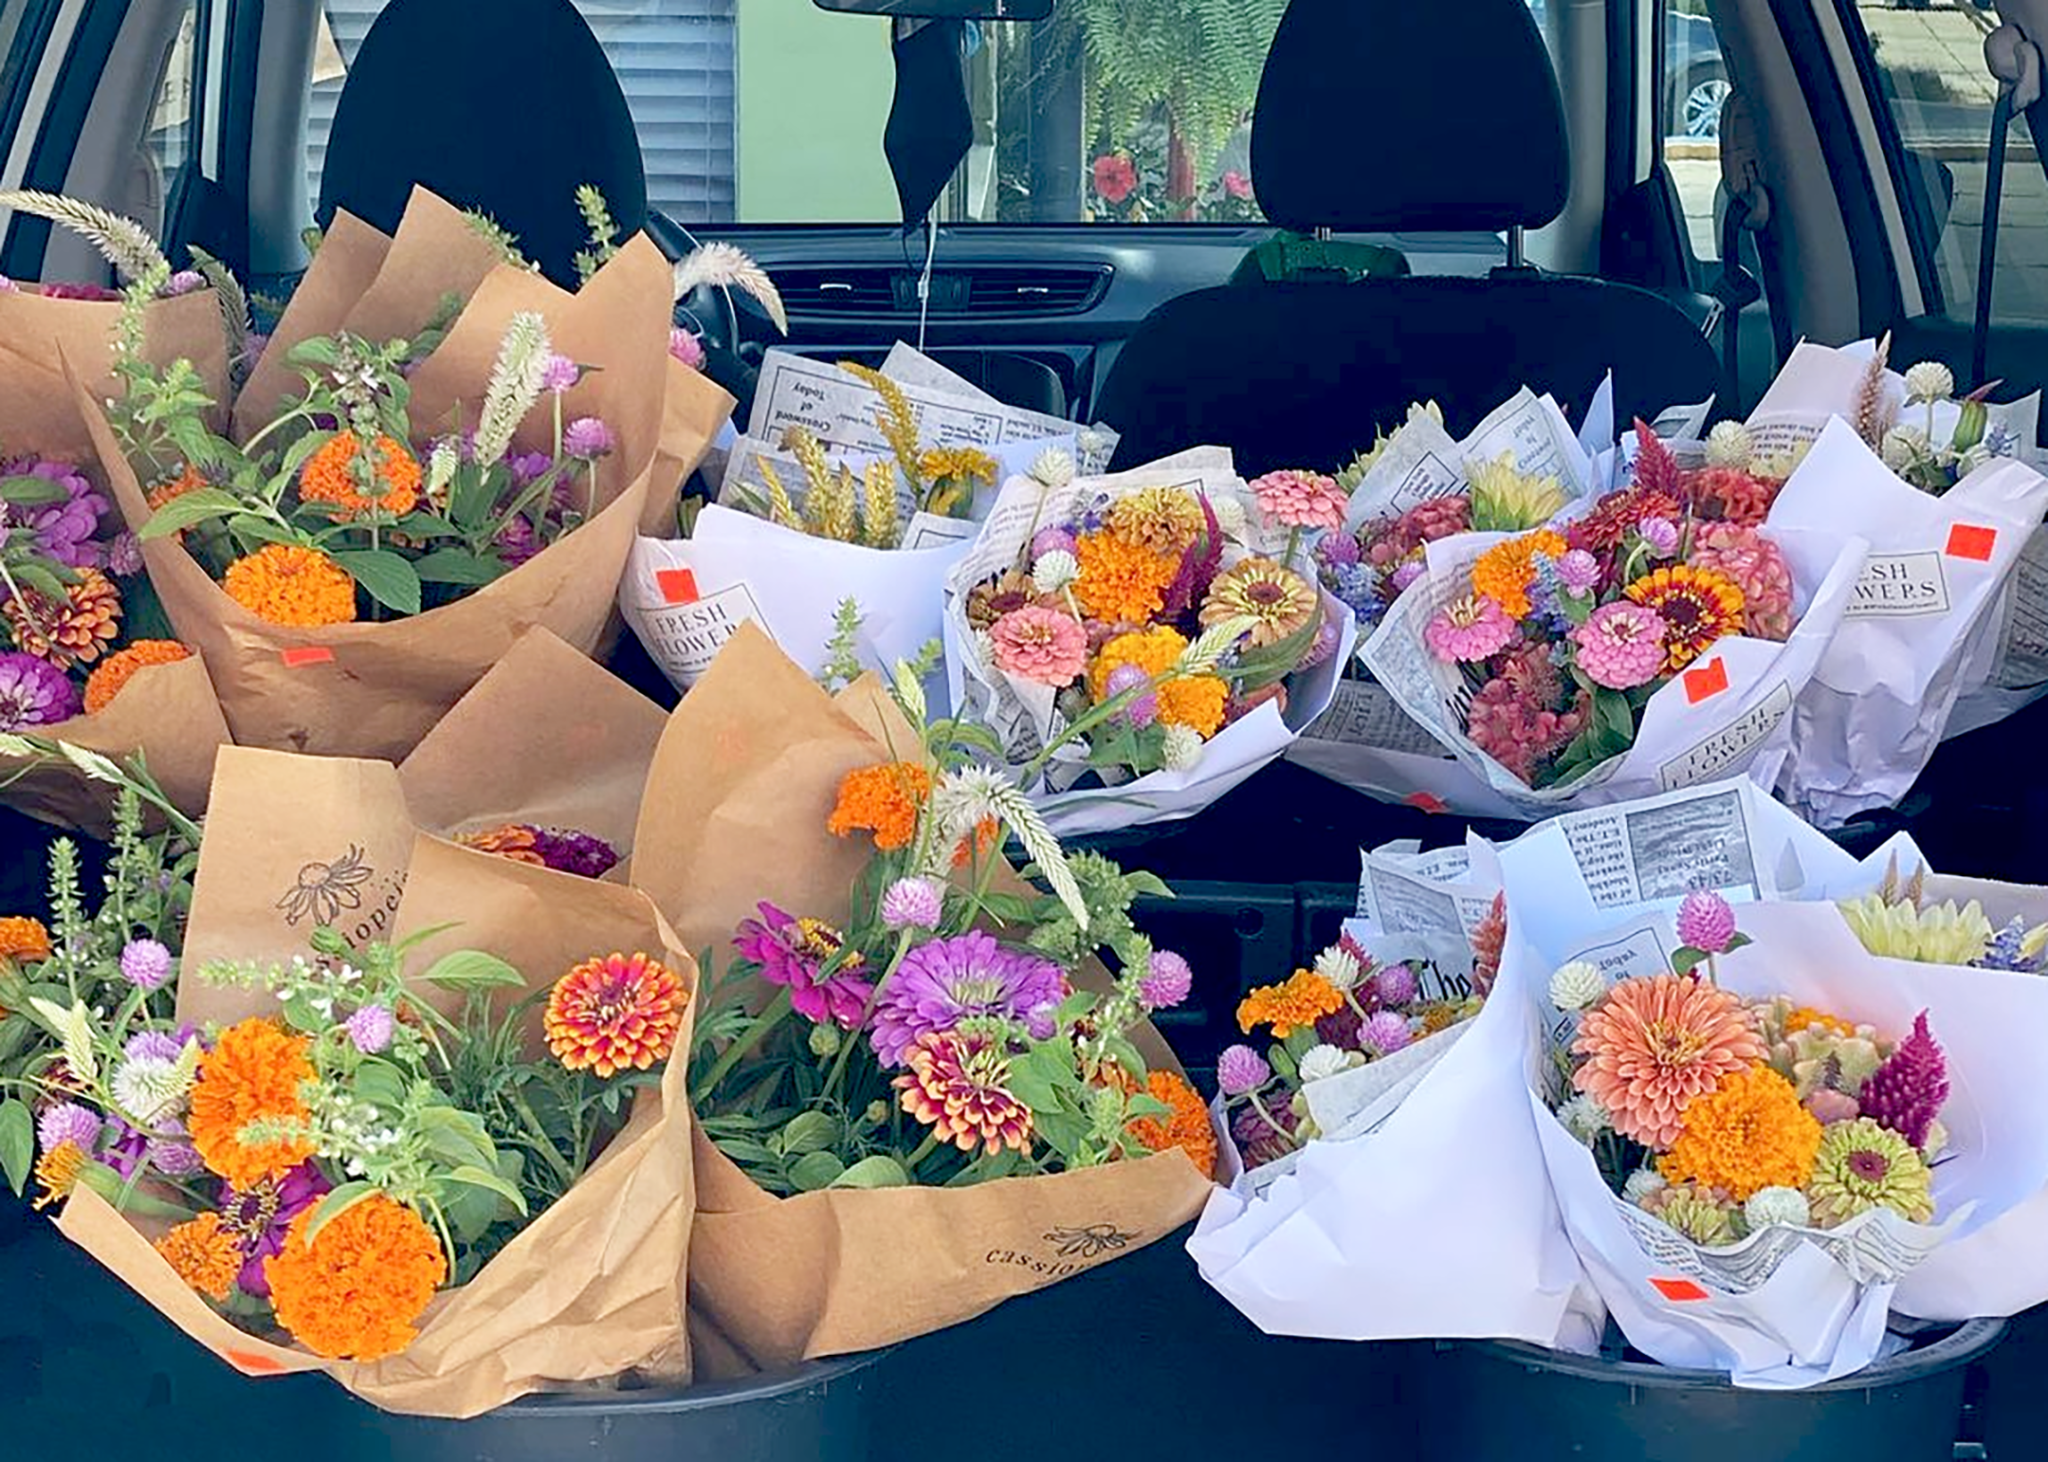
{"x": 472, "y": 969}
{"x": 1687, "y": 959}
{"x": 17, "y": 1142}
{"x": 379, "y": 1083}
{"x": 815, "y": 1170}
{"x": 1147, "y": 885}
{"x": 336, "y": 1203}
{"x": 477, "y": 1177}
{"x": 385, "y": 576}
{"x": 31, "y": 492}
{"x": 45, "y": 579}
{"x": 458, "y": 566}
{"x": 1615, "y": 720}
{"x": 879, "y": 1171}
{"x": 317, "y": 351}
{"x": 1736, "y": 942}
{"x": 1008, "y": 908}
{"x": 193, "y": 507}
{"x": 809, "y": 1132}
{"x": 253, "y": 529}
{"x": 327, "y": 940}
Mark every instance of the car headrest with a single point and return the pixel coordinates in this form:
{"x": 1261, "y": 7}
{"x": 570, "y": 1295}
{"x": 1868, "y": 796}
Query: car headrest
{"x": 1382, "y": 115}
{"x": 505, "y": 115}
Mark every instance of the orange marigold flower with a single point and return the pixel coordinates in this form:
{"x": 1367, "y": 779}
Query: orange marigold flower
{"x": 612, "y": 1014}
{"x": 204, "y": 1255}
{"x": 57, "y": 1172}
{"x": 978, "y": 846}
{"x": 1197, "y": 702}
{"x": 1748, "y": 1133}
{"x": 1151, "y": 650}
{"x": 1698, "y": 606}
{"x": 1187, "y": 1127}
{"x": 1806, "y": 1017}
{"x": 883, "y": 800}
{"x": 329, "y": 476}
{"x": 1119, "y": 581}
{"x": 119, "y": 668}
{"x": 1304, "y": 999}
{"x": 513, "y": 840}
{"x": 1505, "y": 571}
{"x": 356, "y": 1291}
{"x": 253, "y": 1074}
{"x": 188, "y": 480}
{"x": 70, "y": 631}
{"x": 282, "y": 583}
{"x": 23, "y": 939}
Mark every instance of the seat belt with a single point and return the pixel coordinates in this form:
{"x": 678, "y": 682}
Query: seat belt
{"x": 1749, "y": 211}
{"x": 2015, "y": 63}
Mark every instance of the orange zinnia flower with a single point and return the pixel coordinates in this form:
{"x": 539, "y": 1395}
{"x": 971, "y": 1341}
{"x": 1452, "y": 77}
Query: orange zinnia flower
{"x": 204, "y": 1255}
{"x": 513, "y": 841}
{"x": 120, "y": 667}
{"x": 1121, "y": 582}
{"x": 253, "y": 1074}
{"x": 23, "y": 939}
{"x": 356, "y": 1291}
{"x": 1303, "y": 1000}
{"x": 1505, "y": 571}
{"x": 612, "y": 1014}
{"x": 1187, "y": 1127}
{"x": 329, "y": 476}
{"x": 1748, "y": 1133}
{"x": 1656, "y": 1043}
{"x": 282, "y": 583}
{"x": 70, "y": 631}
{"x": 883, "y": 800}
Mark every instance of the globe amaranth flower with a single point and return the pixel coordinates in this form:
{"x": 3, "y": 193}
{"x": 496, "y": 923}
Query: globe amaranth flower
{"x": 1319, "y": 1063}
{"x": 370, "y": 1028}
{"x": 1299, "y": 1001}
{"x": 1054, "y": 571}
{"x": 73, "y": 630}
{"x": 1297, "y": 499}
{"x": 944, "y": 982}
{"x": 1041, "y": 645}
{"x": 259, "y": 1216}
{"x": 1167, "y": 980}
{"x": 145, "y": 963}
{"x": 1930, "y": 380}
{"x": 63, "y": 1122}
{"x": 1659, "y": 535}
{"x": 793, "y": 952}
{"x": 1386, "y": 1033}
{"x": 613, "y": 1013}
{"x": 1576, "y": 985}
{"x": 1776, "y": 1207}
{"x": 358, "y": 1289}
{"x": 1656, "y": 1043}
{"x": 1340, "y": 965}
{"x": 1757, "y": 567}
{"x": 588, "y": 438}
{"x": 912, "y": 903}
{"x": 1051, "y": 540}
{"x": 1749, "y": 1133}
{"x": 1862, "y": 1165}
{"x": 286, "y": 584}
{"x": 254, "y": 1073}
{"x": 686, "y": 347}
{"x": 1141, "y": 710}
{"x": 1706, "y": 921}
{"x": 956, "y": 1085}
{"x": 1698, "y": 607}
{"x": 558, "y": 373}
{"x": 1584, "y": 1118}
{"x": 1240, "y": 1071}
{"x": 1906, "y": 1092}
{"x": 112, "y": 675}
{"x": 148, "y": 1088}
{"x": 1181, "y": 749}
{"x": 34, "y": 693}
{"x": 1620, "y": 646}
{"x": 1279, "y": 602}
{"x": 1729, "y": 445}
{"x": 1578, "y": 571}
{"x": 1394, "y": 984}
{"x": 1641, "y": 1184}
{"x": 1469, "y": 629}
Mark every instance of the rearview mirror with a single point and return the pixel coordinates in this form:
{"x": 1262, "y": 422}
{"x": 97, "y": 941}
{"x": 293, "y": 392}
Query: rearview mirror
{"x": 944, "y": 9}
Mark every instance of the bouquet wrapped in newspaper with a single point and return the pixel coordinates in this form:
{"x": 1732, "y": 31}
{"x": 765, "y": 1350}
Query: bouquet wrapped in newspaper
{"x": 1073, "y": 621}
{"x": 1655, "y": 640}
{"x": 444, "y": 1167}
{"x": 917, "y": 1092}
{"x": 850, "y": 483}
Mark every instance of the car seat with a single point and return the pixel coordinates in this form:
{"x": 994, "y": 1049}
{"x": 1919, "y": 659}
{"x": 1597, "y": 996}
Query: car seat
{"x": 505, "y": 113}
{"x": 1394, "y": 116}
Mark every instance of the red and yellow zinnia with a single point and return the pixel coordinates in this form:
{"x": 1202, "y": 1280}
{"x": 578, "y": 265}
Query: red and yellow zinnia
{"x": 615, "y": 1013}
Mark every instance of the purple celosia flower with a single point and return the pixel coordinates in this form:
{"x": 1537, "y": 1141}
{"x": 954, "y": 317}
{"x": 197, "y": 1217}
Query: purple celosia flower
{"x": 370, "y": 1028}
{"x": 1705, "y": 921}
{"x": 1393, "y": 984}
{"x": 793, "y": 952}
{"x": 582, "y": 854}
{"x": 1051, "y": 540}
{"x": 558, "y": 373}
{"x": 1166, "y": 982}
{"x": 1578, "y": 571}
{"x": 1661, "y": 534}
{"x": 1907, "y": 1091}
{"x": 912, "y": 903}
{"x": 1143, "y": 710}
{"x": 685, "y": 347}
{"x": 1386, "y": 1033}
{"x": 1257, "y": 1142}
{"x": 588, "y": 438}
{"x": 152, "y": 1046}
{"x": 1240, "y": 1071}
{"x": 946, "y": 981}
{"x": 259, "y": 1215}
{"x": 34, "y": 693}
{"x": 145, "y": 964}
{"x": 185, "y": 281}
{"x": 63, "y": 1122}
{"x": 1341, "y": 1027}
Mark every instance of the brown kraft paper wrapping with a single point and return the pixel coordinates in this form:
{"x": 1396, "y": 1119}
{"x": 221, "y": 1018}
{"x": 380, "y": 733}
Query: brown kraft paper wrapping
{"x": 343, "y": 267}
{"x": 735, "y": 812}
{"x": 188, "y": 327}
{"x": 694, "y": 407}
{"x": 374, "y": 689}
{"x": 593, "y": 1287}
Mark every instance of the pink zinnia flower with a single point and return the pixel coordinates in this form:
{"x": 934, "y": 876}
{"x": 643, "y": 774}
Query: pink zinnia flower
{"x": 1757, "y": 567}
{"x": 1300, "y": 499}
{"x": 794, "y": 952}
{"x": 1471, "y": 628}
{"x": 1621, "y": 646}
{"x": 1041, "y": 645}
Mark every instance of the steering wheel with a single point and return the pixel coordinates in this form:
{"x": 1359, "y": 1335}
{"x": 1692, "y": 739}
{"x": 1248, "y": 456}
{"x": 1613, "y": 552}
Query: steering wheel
{"x": 706, "y": 312}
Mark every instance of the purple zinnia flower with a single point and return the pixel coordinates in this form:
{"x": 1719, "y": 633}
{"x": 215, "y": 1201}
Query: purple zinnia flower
{"x": 1393, "y": 984}
{"x": 588, "y": 438}
{"x": 1705, "y": 921}
{"x": 582, "y": 854}
{"x": 185, "y": 281}
{"x": 1051, "y": 540}
{"x": 912, "y": 903}
{"x": 64, "y": 530}
{"x": 517, "y": 542}
{"x": 1907, "y": 1091}
{"x": 65, "y": 1122}
{"x": 259, "y": 1215}
{"x": 1166, "y": 982}
{"x": 145, "y": 964}
{"x": 370, "y": 1028}
{"x": 793, "y": 952}
{"x": 152, "y": 1046}
{"x": 1240, "y": 1071}
{"x": 1386, "y": 1033}
{"x": 1578, "y": 571}
{"x": 527, "y": 468}
{"x": 127, "y": 1147}
{"x": 558, "y": 373}
{"x": 1143, "y": 710}
{"x": 686, "y": 347}
{"x": 34, "y": 693}
{"x": 943, "y": 982}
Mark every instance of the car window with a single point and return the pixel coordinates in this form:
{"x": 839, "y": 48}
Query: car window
{"x": 1928, "y": 60}
{"x": 168, "y": 144}
{"x": 1692, "y": 89}
{"x": 771, "y": 111}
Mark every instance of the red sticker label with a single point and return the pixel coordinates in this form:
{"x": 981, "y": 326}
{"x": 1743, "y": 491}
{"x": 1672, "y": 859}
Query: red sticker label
{"x": 250, "y": 1364}
{"x": 300, "y": 656}
{"x": 1679, "y": 1291}
{"x": 1970, "y": 540}
{"x": 678, "y": 586}
{"x": 1705, "y": 681}
{"x": 1428, "y": 802}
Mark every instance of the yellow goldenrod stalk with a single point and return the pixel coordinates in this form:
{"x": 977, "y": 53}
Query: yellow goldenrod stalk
{"x": 879, "y": 524}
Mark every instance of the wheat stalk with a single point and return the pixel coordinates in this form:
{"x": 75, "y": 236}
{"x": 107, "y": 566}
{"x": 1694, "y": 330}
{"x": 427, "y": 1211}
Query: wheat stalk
{"x": 728, "y": 267}
{"x": 1873, "y": 419}
{"x": 878, "y": 515}
{"x": 897, "y": 423}
{"x": 124, "y": 243}
{"x": 780, "y": 508}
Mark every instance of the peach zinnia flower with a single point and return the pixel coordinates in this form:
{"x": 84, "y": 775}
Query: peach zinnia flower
{"x": 1278, "y": 601}
{"x": 956, "y": 1086}
{"x": 883, "y": 800}
{"x": 283, "y": 583}
{"x": 329, "y": 476}
{"x": 68, "y": 631}
{"x": 1043, "y": 646}
{"x": 614, "y": 1014}
{"x": 253, "y": 1074}
{"x": 120, "y": 667}
{"x": 1656, "y": 1042}
{"x": 357, "y": 1290}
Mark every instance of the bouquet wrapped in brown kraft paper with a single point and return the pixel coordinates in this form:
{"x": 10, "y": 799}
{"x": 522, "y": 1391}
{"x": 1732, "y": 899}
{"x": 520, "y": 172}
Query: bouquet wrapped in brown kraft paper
{"x": 448, "y": 1168}
{"x": 84, "y": 658}
{"x": 353, "y": 567}
{"x": 917, "y": 1093}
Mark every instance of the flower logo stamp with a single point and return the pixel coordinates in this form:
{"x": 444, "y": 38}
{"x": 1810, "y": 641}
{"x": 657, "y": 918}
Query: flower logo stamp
{"x": 1091, "y": 1242}
{"x": 323, "y": 890}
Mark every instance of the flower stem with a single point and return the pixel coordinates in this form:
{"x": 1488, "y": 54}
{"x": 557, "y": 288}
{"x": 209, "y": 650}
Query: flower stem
{"x": 738, "y": 1050}
{"x": 924, "y": 1150}
{"x": 1259, "y": 1106}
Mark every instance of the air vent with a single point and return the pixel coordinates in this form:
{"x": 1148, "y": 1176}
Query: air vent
{"x": 813, "y": 291}
{"x": 992, "y": 291}
{"x": 1034, "y": 291}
